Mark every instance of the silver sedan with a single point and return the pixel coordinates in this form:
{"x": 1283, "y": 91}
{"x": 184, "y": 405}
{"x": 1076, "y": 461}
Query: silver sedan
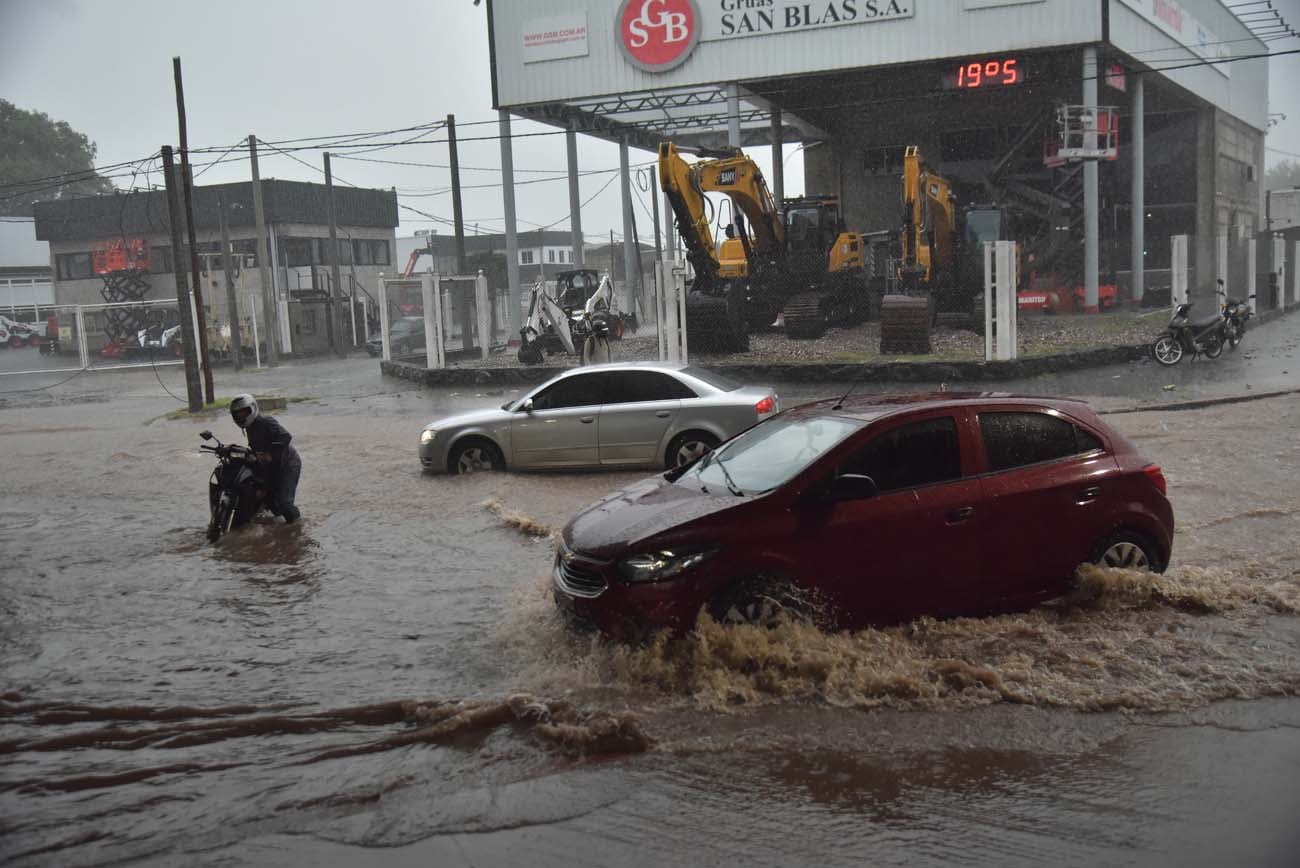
{"x": 608, "y": 415}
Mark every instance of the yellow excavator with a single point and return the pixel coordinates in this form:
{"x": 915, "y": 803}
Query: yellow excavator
{"x": 805, "y": 268}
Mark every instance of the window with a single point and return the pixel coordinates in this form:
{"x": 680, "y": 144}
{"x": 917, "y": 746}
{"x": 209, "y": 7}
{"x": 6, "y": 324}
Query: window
{"x": 369, "y": 251}
{"x": 626, "y": 387}
{"x": 579, "y": 390}
{"x": 299, "y": 252}
{"x": 160, "y": 260}
{"x": 550, "y": 255}
{"x": 714, "y": 379}
{"x": 379, "y": 250}
{"x": 307, "y": 324}
{"x": 525, "y": 257}
{"x": 1017, "y": 439}
{"x": 344, "y": 248}
{"x": 921, "y": 453}
{"x": 770, "y": 454}
{"x": 73, "y": 266}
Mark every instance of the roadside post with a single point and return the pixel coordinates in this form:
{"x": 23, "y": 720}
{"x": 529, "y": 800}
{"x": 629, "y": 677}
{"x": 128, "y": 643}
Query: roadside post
{"x": 988, "y": 301}
{"x": 483, "y": 307}
{"x": 659, "y": 310}
{"x": 1252, "y": 275}
{"x": 431, "y": 294}
{"x": 257, "y": 347}
{"x": 1295, "y": 271}
{"x": 1177, "y": 271}
{"x": 387, "y": 354}
{"x": 1221, "y": 266}
{"x": 1000, "y": 339}
{"x": 84, "y": 353}
{"x": 1280, "y": 267}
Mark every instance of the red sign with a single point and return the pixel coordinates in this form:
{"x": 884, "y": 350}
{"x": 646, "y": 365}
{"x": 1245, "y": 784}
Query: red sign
{"x": 657, "y": 35}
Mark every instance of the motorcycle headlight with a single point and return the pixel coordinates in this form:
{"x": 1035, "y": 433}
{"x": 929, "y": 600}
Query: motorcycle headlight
{"x": 662, "y": 565}
{"x": 427, "y": 435}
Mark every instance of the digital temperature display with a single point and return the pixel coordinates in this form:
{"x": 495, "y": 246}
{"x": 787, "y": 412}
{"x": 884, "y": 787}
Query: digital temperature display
{"x": 985, "y": 74}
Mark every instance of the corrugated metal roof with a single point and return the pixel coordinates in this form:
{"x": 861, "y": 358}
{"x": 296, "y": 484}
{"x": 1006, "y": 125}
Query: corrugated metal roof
{"x": 145, "y": 212}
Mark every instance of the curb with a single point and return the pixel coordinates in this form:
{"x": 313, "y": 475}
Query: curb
{"x": 1201, "y": 403}
{"x": 900, "y": 372}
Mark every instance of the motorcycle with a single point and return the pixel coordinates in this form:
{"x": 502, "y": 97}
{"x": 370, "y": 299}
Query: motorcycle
{"x": 1204, "y": 337}
{"x": 1235, "y": 314}
{"x": 235, "y": 492}
{"x": 595, "y": 345}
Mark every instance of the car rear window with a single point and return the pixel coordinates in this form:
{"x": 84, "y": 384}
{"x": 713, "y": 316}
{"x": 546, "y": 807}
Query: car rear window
{"x": 1017, "y": 439}
{"x": 624, "y": 387}
{"x": 714, "y": 379}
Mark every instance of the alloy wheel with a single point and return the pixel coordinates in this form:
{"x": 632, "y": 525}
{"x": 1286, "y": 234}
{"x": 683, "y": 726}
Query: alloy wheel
{"x": 689, "y": 451}
{"x": 475, "y": 459}
{"x": 1125, "y": 555}
{"x": 1167, "y": 350}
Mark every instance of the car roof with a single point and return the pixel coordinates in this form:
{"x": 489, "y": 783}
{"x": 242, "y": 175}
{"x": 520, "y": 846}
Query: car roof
{"x": 666, "y": 367}
{"x": 873, "y": 406}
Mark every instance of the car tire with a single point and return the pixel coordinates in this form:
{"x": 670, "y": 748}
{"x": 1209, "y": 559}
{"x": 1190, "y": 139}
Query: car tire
{"x": 475, "y": 455}
{"x": 764, "y": 601}
{"x": 687, "y": 447}
{"x": 1125, "y": 549}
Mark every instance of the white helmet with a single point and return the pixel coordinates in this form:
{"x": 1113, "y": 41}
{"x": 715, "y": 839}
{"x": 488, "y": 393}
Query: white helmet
{"x": 243, "y": 409}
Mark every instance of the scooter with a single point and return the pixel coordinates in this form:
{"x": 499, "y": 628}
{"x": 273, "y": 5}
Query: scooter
{"x": 1204, "y": 337}
{"x": 235, "y": 493}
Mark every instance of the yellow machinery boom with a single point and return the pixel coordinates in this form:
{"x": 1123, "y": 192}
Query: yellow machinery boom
{"x": 929, "y": 235}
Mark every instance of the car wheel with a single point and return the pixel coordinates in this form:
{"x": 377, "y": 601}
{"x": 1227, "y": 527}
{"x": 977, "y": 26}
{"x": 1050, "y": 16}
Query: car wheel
{"x": 475, "y": 456}
{"x": 1129, "y": 551}
{"x": 688, "y": 447}
{"x": 765, "y": 601}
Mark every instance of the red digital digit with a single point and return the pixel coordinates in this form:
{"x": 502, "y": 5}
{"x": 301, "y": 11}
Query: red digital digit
{"x": 974, "y": 75}
{"x": 961, "y": 76}
{"x": 991, "y": 69}
{"x": 1010, "y": 75}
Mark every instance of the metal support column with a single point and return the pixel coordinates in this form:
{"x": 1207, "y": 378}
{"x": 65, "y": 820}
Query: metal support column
{"x": 629, "y": 243}
{"x": 575, "y": 200}
{"x": 512, "y": 233}
{"x": 733, "y": 115}
{"x": 778, "y": 159}
{"x": 1091, "y": 221}
{"x": 1138, "y": 197}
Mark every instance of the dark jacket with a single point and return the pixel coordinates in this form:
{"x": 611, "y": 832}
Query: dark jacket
{"x": 265, "y": 434}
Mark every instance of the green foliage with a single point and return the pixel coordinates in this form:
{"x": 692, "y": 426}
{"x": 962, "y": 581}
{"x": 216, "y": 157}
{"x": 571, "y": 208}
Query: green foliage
{"x": 34, "y": 146}
{"x": 1283, "y": 176}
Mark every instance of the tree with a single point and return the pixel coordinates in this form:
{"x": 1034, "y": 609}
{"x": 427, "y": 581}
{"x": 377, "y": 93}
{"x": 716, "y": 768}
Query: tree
{"x": 1283, "y": 176}
{"x": 32, "y": 147}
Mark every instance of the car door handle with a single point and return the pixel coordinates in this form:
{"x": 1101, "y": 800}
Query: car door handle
{"x": 1088, "y": 495}
{"x": 586, "y": 420}
{"x": 664, "y": 414}
{"x": 960, "y": 514}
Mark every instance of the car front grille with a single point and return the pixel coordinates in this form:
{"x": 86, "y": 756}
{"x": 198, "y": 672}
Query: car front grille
{"x": 578, "y": 576}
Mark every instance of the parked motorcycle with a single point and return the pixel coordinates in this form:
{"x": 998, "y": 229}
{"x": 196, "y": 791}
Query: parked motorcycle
{"x": 235, "y": 493}
{"x": 1235, "y": 315}
{"x": 595, "y": 345}
{"x": 1183, "y": 336}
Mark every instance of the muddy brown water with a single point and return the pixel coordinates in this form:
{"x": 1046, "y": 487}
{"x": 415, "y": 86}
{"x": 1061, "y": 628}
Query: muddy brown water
{"x": 390, "y": 674}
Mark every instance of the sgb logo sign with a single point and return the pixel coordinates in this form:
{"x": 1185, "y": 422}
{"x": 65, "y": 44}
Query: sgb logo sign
{"x": 657, "y": 35}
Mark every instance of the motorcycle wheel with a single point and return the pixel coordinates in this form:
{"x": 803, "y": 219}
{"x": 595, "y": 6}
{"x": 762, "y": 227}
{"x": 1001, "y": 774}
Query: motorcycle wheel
{"x": 1167, "y": 350}
{"x": 222, "y": 520}
{"x": 1213, "y": 350}
{"x": 1232, "y": 335}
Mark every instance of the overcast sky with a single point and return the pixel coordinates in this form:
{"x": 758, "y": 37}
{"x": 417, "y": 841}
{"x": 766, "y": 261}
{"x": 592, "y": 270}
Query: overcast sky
{"x": 291, "y": 68}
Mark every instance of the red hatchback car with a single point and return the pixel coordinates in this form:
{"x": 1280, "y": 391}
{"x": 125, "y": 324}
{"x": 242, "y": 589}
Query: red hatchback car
{"x": 872, "y": 510}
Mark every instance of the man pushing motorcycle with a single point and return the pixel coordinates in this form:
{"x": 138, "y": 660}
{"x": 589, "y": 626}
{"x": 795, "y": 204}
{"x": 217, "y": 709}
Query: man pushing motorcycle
{"x": 279, "y": 463}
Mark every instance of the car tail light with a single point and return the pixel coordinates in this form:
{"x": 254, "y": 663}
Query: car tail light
{"x": 1157, "y": 477}
{"x": 765, "y": 406}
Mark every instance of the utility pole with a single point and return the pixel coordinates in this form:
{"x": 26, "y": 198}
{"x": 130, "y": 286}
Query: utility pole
{"x": 612, "y": 274}
{"x": 270, "y": 310}
{"x": 232, "y": 297}
{"x": 335, "y": 321}
{"x": 456, "y": 214}
{"x": 193, "y": 388}
{"x": 205, "y": 361}
{"x": 654, "y": 201}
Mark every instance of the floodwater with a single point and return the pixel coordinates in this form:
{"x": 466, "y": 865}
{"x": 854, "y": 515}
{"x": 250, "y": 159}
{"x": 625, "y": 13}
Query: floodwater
{"x": 390, "y": 674}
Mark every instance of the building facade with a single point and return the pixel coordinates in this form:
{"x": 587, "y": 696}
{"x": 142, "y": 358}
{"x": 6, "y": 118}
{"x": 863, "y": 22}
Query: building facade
{"x": 25, "y": 284}
{"x": 299, "y": 261}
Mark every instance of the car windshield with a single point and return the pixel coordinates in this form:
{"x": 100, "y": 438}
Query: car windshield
{"x": 769, "y": 455}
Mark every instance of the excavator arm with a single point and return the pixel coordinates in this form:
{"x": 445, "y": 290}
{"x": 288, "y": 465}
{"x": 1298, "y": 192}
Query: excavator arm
{"x": 739, "y": 178}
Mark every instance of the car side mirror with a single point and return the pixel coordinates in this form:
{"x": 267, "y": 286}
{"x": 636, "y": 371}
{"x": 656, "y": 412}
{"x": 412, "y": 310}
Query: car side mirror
{"x": 851, "y": 486}
{"x": 527, "y": 405}
{"x": 206, "y": 435}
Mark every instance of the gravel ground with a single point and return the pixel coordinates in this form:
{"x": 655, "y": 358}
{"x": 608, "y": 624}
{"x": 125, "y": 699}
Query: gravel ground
{"x": 1039, "y": 335}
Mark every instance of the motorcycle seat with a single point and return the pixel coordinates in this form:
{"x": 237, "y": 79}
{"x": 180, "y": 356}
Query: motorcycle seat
{"x": 1205, "y": 322}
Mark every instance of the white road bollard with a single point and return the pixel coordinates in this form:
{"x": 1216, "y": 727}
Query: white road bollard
{"x": 672, "y": 337}
{"x": 1280, "y": 266}
{"x": 679, "y": 286}
{"x": 80, "y": 318}
{"x": 1004, "y": 268}
{"x": 659, "y": 308}
{"x": 252, "y": 309}
{"x": 1252, "y": 273}
{"x": 386, "y": 352}
{"x": 1221, "y": 271}
{"x": 988, "y": 301}
{"x": 1177, "y": 270}
{"x": 483, "y": 307}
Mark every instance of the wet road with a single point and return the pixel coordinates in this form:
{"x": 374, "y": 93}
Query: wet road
{"x": 254, "y": 702}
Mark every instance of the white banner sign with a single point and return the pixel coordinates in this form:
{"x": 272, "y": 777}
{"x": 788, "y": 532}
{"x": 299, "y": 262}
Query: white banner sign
{"x": 555, "y": 37}
{"x": 985, "y": 4}
{"x": 1177, "y": 22}
{"x": 733, "y": 19}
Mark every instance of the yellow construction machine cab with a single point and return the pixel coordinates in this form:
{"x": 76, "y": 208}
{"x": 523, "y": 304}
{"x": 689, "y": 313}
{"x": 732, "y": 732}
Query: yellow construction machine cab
{"x": 813, "y": 226}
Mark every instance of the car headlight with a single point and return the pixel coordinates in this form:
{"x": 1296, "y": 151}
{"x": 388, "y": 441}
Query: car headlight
{"x": 427, "y": 435}
{"x": 661, "y": 565}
